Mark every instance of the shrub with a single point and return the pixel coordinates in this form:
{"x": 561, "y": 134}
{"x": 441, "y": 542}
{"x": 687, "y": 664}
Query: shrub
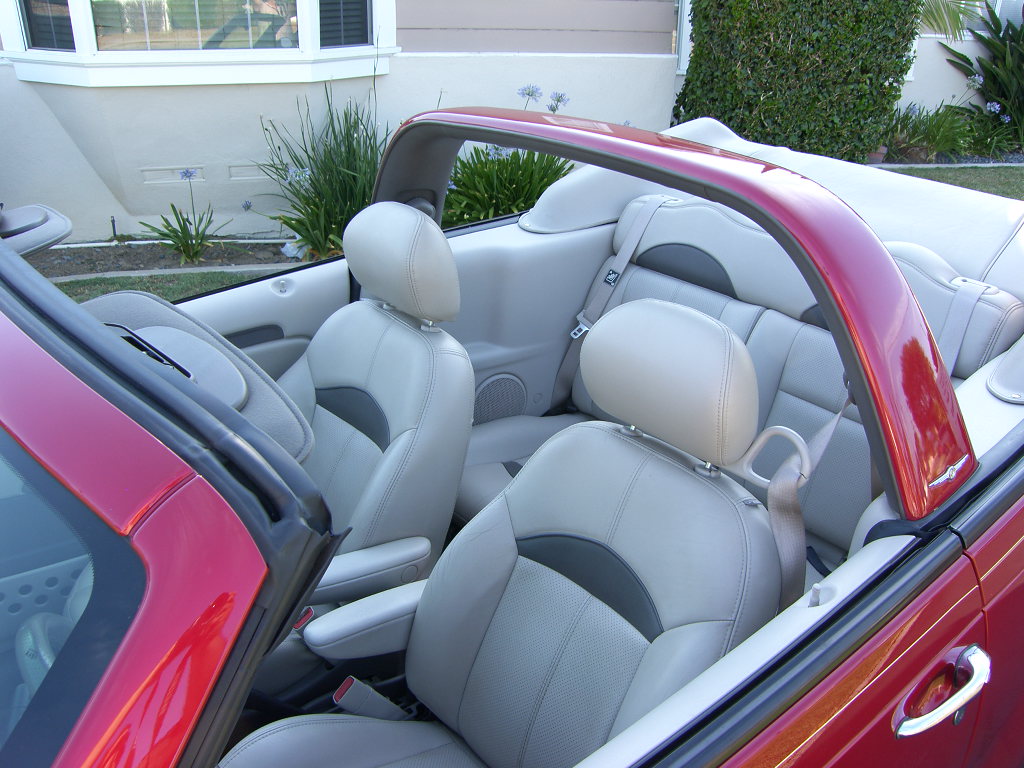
{"x": 917, "y": 135}
{"x": 999, "y": 77}
{"x": 820, "y": 77}
{"x": 492, "y": 181}
{"x": 326, "y": 175}
{"x": 988, "y": 137}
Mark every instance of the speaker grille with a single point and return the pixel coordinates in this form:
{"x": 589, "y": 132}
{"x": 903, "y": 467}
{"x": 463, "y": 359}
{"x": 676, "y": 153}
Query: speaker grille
{"x": 499, "y": 396}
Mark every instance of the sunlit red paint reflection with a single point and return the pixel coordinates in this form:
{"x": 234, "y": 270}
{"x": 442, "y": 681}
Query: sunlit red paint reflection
{"x": 200, "y": 562}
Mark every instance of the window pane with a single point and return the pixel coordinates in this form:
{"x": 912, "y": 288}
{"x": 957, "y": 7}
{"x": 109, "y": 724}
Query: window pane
{"x": 69, "y": 587}
{"x": 48, "y": 24}
{"x": 146, "y": 25}
{"x": 344, "y": 22}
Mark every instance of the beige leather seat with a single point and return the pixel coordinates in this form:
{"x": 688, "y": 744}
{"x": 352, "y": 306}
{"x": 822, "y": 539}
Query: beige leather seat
{"x": 609, "y": 573}
{"x": 390, "y": 399}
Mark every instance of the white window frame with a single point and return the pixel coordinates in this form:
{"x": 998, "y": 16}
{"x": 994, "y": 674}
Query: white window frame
{"x": 89, "y": 67}
{"x": 683, "y": 43}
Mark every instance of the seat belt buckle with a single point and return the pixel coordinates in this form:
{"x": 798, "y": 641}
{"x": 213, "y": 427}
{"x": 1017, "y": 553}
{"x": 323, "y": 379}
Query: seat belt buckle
{"x": 580, "y": 329}
{"x": 357, "y": 698}
{"x": 305, "y": 617}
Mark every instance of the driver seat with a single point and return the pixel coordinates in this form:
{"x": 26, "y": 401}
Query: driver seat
{"x": 612, "y": 570}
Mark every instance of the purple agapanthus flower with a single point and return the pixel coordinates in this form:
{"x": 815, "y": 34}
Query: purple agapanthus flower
{"x": 1005, "y": 119}
{"x": 994, "y": 107}
{"x": 246, "y": 205}
{"x": 187, "y": 174}
{"x": 298, "y": 175}
{"x": 558, "y": 100}
{"x": 976, "y": 81}
{"x": 530, "y": 92}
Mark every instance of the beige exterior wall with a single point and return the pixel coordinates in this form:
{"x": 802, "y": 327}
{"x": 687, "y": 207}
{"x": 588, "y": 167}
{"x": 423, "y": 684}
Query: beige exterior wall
{"x": 563, "y": 26}
{"x": 933, "y": 80}
{"x": 93, "y": 153}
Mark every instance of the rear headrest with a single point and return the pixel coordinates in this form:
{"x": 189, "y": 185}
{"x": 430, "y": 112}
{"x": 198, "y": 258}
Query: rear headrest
{"x": 713, "y": 246}
{"x": 402, "y": 257}
{"x": 996, "y": 321}
{"x": 676, "y": 374}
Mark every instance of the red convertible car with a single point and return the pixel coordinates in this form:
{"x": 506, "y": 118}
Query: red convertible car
{"x": 711, "y": 457}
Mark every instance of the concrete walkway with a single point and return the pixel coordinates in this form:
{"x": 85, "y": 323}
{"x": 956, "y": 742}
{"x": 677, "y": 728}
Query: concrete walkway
{"x": 261, "y": 269}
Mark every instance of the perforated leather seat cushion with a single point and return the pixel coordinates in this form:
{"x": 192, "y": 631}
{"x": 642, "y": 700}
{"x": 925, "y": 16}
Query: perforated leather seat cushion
{"x": 318, "y": 741}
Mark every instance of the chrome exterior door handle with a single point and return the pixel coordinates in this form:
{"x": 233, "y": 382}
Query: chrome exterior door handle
{"x": 978, "y": 663}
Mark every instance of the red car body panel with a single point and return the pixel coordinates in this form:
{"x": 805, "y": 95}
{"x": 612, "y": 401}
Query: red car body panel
{"x": 53, "y": 415}
{"x": 921, "y": 423}
{"x": 203, "y": 570}
{"x": 997, "y": 556}
{"x": 849, "y": 718}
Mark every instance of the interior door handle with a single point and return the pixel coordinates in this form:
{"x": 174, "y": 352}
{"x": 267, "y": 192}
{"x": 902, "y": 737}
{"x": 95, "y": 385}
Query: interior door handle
{"x": 979, "y": 665}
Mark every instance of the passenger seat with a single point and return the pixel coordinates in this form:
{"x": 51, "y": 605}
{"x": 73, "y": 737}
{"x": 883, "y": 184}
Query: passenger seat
{"x": 704, "y": 256}
{"x": 610, "y": 573}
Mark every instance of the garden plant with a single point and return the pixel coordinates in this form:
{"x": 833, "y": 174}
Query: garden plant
{"x": 779, "y": 71}
{"x": 187, "y": 234}
{"x": 325, "y": 174}
{"x": 998, "y": 76}
{"x": 489, "y": 181}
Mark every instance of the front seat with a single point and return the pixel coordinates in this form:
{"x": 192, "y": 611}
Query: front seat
{"x": 389, "y": 396}
{"x": 617, "y": 565}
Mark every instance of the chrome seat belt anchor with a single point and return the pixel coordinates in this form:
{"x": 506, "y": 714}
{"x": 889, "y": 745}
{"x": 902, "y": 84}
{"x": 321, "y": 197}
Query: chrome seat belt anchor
{"x": 580, "y": 329}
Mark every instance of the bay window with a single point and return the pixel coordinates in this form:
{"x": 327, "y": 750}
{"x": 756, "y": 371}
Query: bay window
{"x": 133, "y": 42}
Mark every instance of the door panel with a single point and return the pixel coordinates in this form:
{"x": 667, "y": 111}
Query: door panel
{"x": 999, "y": 559}
{"x": 274, "y": 319}
{"x": 849, "y": 718}
{"x": 521, "y": 292}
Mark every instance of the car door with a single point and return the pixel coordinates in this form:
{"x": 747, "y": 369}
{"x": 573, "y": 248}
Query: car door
{"x": 273, "y": 318}
{"x": 995, "y": 538}
{"x": 912, "y": 663}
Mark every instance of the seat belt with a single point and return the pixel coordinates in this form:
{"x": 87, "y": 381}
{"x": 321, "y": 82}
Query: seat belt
{"x": 966, "y": 298}
{"x": 786, "y": 518}
{"x": 602, "y": 293}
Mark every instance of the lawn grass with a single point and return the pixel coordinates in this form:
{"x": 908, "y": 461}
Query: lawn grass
{"x": 171, "y": 287}
{"x": 1007, "y": 181}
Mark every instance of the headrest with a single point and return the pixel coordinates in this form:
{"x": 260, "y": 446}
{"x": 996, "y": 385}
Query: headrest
{"x": 676, "y": 374}
{"x": 996, "y": 321}
{"x": 402, "y": 257}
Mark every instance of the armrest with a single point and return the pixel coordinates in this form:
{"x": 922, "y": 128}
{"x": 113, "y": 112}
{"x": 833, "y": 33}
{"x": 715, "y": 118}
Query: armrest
{"x": 353, "y": 575}
{"x": 375, "y": 625}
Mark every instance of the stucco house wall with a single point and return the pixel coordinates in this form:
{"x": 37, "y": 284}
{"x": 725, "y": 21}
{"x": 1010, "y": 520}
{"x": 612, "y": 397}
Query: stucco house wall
{"x": 114, "y": 149}
{"x": 102, "y": 151}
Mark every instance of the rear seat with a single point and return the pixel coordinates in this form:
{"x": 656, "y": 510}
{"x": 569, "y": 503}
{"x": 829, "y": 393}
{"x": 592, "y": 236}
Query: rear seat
{"x": 712, "y": 259}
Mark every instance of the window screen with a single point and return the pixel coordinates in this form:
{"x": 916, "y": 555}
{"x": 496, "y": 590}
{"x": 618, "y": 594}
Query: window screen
{"x": 48, "y": 24}
{"x": 344, "y": 22}
{"x": 147, "y": 25}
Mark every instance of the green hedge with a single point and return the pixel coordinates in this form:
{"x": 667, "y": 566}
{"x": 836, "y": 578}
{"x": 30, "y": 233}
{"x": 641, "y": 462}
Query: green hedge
{"x": 816, "y": 75}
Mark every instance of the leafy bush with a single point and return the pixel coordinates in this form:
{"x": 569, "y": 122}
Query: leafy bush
{"x": 187, "y": 235}
{"x": 999, "y": 77}
{"x": 493, "y": 181}
{"x": 820, "y": 77}
{"x": 326, "y": 174}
